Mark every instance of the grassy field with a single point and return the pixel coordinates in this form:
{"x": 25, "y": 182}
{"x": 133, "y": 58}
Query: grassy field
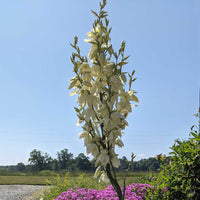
{"x": 41, "y": 180}
{"x": 24, "y": 180}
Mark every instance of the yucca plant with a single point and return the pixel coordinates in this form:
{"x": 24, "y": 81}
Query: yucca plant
{"x": 103, "y": 101}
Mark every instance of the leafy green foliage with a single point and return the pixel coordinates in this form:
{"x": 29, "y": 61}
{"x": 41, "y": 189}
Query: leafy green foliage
{"x": 39, "y": 160}
{"x": 59, "y": 184}
{"x": 64, "y": 159}
{"x": 21, "y": 167}
{"x": 181, "y": 171}
{"x": 47, "y": 173}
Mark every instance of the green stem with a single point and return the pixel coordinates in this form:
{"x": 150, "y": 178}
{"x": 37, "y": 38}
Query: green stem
{"x": 114, "y": 182}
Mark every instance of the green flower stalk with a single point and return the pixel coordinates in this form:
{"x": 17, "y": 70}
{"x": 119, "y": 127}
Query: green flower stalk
{"x": 103, "y": 101}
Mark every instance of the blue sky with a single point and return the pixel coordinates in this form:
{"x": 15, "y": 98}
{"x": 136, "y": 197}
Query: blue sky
{"x": 36, "y": 111}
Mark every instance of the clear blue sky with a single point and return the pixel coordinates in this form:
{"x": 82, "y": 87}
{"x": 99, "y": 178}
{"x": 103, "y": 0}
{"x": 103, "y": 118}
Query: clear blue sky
{"x": 36, "y": 111}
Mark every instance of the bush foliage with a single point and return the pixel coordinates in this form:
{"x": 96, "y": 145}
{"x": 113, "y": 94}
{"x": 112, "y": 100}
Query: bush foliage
{"x": 59, "y": 184}
{"x": 181, "y": 171}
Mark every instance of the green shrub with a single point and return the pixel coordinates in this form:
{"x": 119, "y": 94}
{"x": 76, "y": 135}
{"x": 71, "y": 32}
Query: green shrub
{"x": 47, "y": 173}
{"x": 180, "y": 172}
{"x": 59, "y": 184}
{"x": 158, "y": 190}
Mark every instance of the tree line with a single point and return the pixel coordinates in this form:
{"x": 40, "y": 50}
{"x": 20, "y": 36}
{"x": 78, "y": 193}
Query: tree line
{"x": 39, "y": 161}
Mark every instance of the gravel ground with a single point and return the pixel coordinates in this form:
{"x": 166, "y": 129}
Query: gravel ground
{"x": 18, "y": 192}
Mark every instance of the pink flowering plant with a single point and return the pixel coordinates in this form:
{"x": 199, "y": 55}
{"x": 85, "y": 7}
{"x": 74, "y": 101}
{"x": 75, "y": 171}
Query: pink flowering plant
{"x": 133, "y": 192}
{"x": 103, "y": 102}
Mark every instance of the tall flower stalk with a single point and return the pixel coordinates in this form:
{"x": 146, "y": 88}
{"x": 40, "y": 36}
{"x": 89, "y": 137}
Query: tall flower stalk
{"x": 103, "y": 101}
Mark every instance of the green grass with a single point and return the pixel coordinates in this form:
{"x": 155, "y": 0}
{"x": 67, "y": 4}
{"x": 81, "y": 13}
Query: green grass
{"x": 131, "y": 177}
{"x": 38, "y": 179}
{"x": 23, "y": 180}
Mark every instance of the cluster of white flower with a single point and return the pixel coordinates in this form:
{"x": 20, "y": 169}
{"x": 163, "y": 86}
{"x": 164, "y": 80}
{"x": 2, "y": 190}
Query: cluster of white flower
{"x": 104, "y": 104}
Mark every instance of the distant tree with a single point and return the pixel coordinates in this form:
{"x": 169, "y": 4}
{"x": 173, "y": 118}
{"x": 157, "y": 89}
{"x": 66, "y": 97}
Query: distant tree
{"x": 29, "y": 168}
{"x": 82, "y": 163}
{"x": 40, "y": 161}
{"x": 21, "y": 167}
{"x": 11, "y": 168}
{"x": 64, "y": 159}
{"x": 55, "y": 165}
{"x": 145, "y": 165}
{"x": 154, "y": 164}
{"x": 124, "y": 163}
{"x": 47, "y": 162}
